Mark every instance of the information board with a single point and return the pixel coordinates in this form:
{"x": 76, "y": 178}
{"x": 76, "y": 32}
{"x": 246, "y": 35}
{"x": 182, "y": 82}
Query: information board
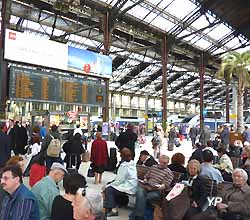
{"x": 29, "y": 84}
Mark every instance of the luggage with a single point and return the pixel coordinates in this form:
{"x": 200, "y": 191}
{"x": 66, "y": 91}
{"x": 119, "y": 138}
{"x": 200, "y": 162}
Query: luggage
{"x": 72, "y": 168}
{"x": 177, "y": 142}
{"x": 170, "y": 146}
{"x": 112, "y": 159}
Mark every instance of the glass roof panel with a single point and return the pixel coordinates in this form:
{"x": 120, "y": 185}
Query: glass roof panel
{"x": 220, "y": 31}
{"x": 139, "y": 12}
{"x": 241, "y": 50}
{"x": 164, "y": 3}
{"x": 233, "y": 42}
{"x": 202, "y": 21}
{"x": 162, "y": 23}
{"x": 180, "y": 12}
{"x": 219, "y": 50}
{"x": 202, "y": 43}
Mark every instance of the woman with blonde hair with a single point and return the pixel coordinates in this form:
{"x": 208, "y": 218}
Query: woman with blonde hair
{"x": 191, "y": 200}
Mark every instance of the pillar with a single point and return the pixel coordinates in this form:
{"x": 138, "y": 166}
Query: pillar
{"x": 5, "y": 12}
{"x": 164, "y": 82}
{"x": 201, "y": 72}
{"x": 146, "y": 113}
{"x": 227, "y": 103}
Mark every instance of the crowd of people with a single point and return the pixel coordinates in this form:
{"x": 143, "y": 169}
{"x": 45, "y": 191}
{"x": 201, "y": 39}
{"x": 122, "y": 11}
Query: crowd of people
{"x": 42, "y": 162}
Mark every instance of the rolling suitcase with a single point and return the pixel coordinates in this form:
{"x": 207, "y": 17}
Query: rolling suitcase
{"x": 112, "y": 159}
{"x": 72, "y": 164}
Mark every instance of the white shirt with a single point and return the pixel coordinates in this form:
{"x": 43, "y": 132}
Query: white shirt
{"x": 35, "y": 149}
{"x": 78, "y": 130}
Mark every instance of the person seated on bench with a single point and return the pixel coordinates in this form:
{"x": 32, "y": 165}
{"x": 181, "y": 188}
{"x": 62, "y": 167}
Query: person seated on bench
{"x": 124, "y": 183}
{"x": 225, "y": 165}
{"x": 146, "y": 159}
{"x": 207, "y": 169}
{"x": 177, "y": 164}
{"x": 235, "y": 203}
{"x": 158, "y": 178}
{"x": 191, "y": 200}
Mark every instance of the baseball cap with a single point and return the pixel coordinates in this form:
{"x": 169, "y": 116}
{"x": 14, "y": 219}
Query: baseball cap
{"x": 58, "y": 166}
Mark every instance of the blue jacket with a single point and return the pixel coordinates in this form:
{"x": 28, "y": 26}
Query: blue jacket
{"x": 21, "y": 205}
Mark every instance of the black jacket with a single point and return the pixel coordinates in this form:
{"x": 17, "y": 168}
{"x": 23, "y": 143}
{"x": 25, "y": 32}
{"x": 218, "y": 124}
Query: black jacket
{"x": 5, "y": 150}
{"x": 127, "y": 139}
{"x": 149, "y": 162}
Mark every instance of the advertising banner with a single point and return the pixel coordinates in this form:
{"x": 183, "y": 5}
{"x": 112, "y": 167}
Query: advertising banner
{"x": 27, "y": 48}
{"x": 89, "y": 62}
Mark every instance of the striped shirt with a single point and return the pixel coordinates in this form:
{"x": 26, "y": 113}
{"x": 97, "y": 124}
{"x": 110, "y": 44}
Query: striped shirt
{"x": 159, "y": 175}
{"x": 14, "y": 208}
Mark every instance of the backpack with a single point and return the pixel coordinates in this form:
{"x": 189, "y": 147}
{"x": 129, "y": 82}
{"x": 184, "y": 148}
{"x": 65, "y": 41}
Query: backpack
{"x": 54, "y": 147}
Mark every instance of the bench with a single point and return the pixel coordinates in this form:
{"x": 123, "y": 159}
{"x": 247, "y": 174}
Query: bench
{"x": 157, "y": 204}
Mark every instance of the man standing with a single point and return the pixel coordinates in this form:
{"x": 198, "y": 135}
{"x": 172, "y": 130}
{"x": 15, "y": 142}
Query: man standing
{"x": 246, "y": 134}
{"x": 46, "y": 189}
{"x": 193, "y": 133}
{"x": 205, "y": 135}
{"x": 5, "y": 151}
{"x": 127, "y": 139}
{"x": 20, "y": 204}
{"x": 52, "y": 136}
{"x": 225, "y": 137}
{"x": 172, "y": 137}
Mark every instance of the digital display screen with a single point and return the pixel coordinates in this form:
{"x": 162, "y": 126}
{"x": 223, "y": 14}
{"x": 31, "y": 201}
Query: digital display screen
{"x": 54, "y": 87}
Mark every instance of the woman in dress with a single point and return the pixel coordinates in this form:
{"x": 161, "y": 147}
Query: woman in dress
{"x": 99, "y": 157}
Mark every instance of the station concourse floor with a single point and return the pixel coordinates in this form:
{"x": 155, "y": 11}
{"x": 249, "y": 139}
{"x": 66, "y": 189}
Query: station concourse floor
{"x": 185, "y": 148}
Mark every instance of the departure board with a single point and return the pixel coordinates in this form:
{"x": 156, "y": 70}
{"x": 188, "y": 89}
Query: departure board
{"x": 29, "y": 84}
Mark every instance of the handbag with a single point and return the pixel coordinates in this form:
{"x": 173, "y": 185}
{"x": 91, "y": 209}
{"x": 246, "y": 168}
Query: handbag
{"x": 85, "y": 156}
{"x": 91, "y": 172}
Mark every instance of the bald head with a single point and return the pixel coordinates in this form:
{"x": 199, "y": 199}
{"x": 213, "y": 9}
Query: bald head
{"x": 163, "y": 161}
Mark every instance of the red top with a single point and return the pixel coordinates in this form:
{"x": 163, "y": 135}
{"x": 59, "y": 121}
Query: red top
{"x": 99, "y": 152}
{"x": 37, "y": 172}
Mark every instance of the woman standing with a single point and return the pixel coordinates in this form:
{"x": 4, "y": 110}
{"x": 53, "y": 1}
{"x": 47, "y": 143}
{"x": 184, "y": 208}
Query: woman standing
{"x": 99, "y": 157}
